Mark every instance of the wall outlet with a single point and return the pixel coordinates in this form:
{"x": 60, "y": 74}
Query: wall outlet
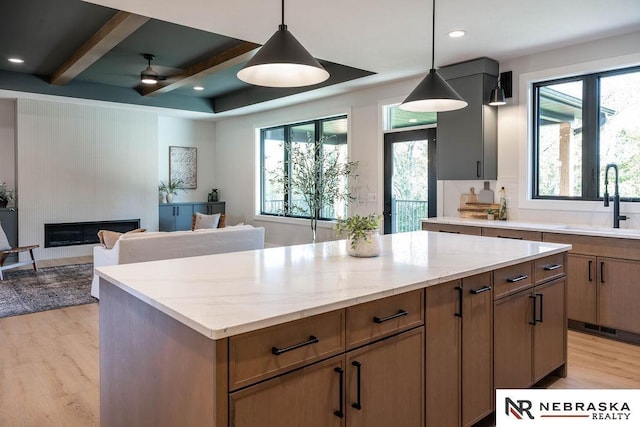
{"x": 372, "y": 197}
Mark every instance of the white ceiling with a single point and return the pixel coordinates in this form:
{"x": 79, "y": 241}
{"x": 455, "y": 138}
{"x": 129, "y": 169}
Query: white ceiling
{"x": 393, "y": 37}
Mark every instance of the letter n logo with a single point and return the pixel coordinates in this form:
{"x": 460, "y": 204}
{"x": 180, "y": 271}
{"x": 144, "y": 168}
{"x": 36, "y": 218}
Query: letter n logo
{"x": 518, "y": 409}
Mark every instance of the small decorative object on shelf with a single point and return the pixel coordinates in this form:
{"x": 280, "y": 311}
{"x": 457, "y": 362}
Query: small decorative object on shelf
{"x": 502, "y": 211}
{"x": 170, "y": 189}
{"x": 213, "y": 195}
{"x": 491, "y": 214}
{"x": 363, "y": 236}
{"x": 6, "y": 195}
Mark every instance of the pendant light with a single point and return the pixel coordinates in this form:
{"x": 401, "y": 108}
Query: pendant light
{"x": 283, "y": 62}
{"x": 149, "y": 76}
{"x": 433, "y": 93}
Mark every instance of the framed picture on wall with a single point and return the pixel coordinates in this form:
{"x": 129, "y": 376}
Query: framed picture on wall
{"x": 183, "y": 166}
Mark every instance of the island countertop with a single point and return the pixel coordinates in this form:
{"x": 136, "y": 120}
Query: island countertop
{"x": 228, "y": 294}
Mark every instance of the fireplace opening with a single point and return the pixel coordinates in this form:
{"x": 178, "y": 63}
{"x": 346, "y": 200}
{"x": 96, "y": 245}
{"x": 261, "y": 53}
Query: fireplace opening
{"x": 83, "y": 233}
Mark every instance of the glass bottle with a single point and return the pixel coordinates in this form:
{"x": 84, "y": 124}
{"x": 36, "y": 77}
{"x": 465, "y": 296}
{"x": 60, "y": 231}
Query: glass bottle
{"x": 502, "y": 210}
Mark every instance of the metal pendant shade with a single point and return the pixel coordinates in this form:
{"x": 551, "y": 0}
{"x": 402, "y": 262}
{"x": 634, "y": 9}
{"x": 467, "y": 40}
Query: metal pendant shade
{"x": 433, "y": 93}
{"x": 497, "y": 97}
{"x": 283, "y": 62}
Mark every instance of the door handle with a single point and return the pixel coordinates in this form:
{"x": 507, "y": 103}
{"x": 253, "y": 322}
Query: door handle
{"x": 533, "y": 312}
{"x": 340, "y": 412}
{"x": 541, "y": 307}
{"x": 590, "y": 267}
{"x": 601, "y": 271}
{"x": 400, "y": 313}
{"x": 478, "y": 169}
{"x": 459, "y": 313}
{"x": 357, "y": 404}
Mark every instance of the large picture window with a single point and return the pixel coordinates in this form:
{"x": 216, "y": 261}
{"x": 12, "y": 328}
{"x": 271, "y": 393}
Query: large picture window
{"x": 582, "y": 124}
{"x": 310, "y": 140}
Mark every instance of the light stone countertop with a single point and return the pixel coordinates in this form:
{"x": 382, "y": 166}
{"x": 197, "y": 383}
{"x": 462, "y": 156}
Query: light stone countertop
{"x": 584, "y": 230}
{"x": 228, "y": 294}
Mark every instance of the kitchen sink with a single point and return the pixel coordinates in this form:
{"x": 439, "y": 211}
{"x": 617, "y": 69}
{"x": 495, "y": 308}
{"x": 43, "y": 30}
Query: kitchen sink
{"x": 590, "y": 229}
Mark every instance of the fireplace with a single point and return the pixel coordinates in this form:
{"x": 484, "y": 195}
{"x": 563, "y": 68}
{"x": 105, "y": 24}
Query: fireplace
{"x": 83, "y": 233}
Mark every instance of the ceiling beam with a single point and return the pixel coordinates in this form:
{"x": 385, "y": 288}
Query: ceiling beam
{"x": 241, "y": 52}
{"x": 118, "y": 28}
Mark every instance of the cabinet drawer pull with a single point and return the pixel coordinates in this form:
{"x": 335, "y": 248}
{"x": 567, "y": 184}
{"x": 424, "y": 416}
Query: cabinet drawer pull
{"x": 481, "y": 290}
{"x": 551, "y": 267}
{"x": 478, "y": 169}
{"x": 541, "y": 314}
{"x": 590, "y": 266}
{"x": 509, "y": 237}
{"x": 534, "y": 319}
{"x": 601, "y": 272}
{"x": 278, "y": 351}
{"x": 517, "y": 278}
{"x": 459, "y": 313}
{"x": 357, "y": 404}
{"x": 400, "y": 313}
{"x": 340, "y": 412}
{"x": 449, "y": 231}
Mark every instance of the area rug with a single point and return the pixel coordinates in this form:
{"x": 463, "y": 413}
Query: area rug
{"x": 28, "y": 291}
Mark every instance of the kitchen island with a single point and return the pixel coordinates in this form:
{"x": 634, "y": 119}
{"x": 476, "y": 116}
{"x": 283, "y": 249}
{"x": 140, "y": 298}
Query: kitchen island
{"x": 307, "y": 335}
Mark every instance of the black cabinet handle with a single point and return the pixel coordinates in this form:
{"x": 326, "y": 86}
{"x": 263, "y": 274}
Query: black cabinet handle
{"x": 478, "y": 168}
{"x": 552, "y": 267}
{"x": 517, "y": 278}
{"x": 590, "y": 266}
{"x": 400, "y": 313}
{"x": 541, "y": 307}
{"x": 178, "y": 208}
{"x": 459, "y": 313}
{"x": 278, "y": 351}
{"x": 340, "y": 412}
{"x": 508, "y": 237}
{"x": 485, "y": 288}
{"x": 533, "y": 313}
{"x": 601, "y": 272}
{"x": 450, "y": 232}
{"x": 357, "y": 404}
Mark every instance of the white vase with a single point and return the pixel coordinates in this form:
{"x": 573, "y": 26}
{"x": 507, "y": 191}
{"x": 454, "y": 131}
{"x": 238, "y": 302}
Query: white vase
{"x": 368, "y": 247}
{"x": 169, "y": 197}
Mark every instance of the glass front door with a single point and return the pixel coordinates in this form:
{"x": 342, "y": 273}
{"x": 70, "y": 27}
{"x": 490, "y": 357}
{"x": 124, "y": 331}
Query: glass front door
{"x": 409, "y": 179}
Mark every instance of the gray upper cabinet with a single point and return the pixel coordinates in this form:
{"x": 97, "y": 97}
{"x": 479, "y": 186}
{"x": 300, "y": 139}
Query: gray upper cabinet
{"x": 467, "y": 138}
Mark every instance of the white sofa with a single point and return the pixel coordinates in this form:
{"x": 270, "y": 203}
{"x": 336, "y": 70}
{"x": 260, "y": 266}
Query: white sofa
{"x": 152, "y": 246}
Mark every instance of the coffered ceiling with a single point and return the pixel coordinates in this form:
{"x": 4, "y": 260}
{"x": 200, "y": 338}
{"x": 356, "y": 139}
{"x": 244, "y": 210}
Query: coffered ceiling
{"x": 92, "y": 49}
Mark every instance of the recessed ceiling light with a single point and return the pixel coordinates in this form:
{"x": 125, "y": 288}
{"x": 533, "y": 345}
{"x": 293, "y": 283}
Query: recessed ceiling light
{"x": 454, "y": 34}
{"x": 198, "y": 88}
{"x": 16, "y": 60}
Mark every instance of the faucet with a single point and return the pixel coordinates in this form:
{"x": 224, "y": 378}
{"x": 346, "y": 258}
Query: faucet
{"x": 616, "y": 196}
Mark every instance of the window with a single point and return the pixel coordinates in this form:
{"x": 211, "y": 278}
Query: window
{"x": 395, "y": 118}
{"x": 313, "y": 140}
{"x": 582, "y": 124}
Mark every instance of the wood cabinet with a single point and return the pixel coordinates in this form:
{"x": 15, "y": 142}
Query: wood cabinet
{"x": 618, "y": 294}
{"x": 507, "y": 233}
{"x": 582, "y": 288}
{"x": 459, "y": 351}
{"x": 178, "y": 216}
{"x": 385, "y": 382}
{"x": 308, "y": 397}
{"x": 469, "y": 151}
{"x": 451, "y": 228}
{"x": 274, "y": 381}
{"x": 603, "y": 291}
{"x": 529, "y": 334}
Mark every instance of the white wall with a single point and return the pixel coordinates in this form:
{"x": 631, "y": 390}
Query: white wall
{"x": 236, "y": 145}
{"x": 7, "y": 141}
{"x": 181, "y": 132}
{"x": 78, "y": 162}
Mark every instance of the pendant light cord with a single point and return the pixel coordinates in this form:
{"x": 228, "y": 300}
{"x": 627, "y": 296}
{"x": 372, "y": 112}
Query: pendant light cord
{"x": 282, "y": 12}
{"x": 433, "y": 35}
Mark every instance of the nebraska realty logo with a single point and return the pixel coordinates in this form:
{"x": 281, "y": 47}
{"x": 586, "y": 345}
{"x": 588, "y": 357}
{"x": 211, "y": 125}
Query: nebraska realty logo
{"x": 567, "y": 408}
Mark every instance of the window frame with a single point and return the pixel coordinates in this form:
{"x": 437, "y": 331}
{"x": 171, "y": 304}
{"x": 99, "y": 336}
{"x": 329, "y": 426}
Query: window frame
{"x": 590, "y": 181}
{"x": 317, "y": 129}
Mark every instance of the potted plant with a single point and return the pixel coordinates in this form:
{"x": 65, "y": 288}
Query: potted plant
{"x": 491, "y": 214}
{"x": 363, "y": 237}
{"x": 171, "y": 188}
{"x": 6, "y": 195}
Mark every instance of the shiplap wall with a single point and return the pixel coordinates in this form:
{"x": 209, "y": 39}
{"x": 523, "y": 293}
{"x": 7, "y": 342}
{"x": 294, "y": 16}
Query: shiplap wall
{"x": 83, "y": 163}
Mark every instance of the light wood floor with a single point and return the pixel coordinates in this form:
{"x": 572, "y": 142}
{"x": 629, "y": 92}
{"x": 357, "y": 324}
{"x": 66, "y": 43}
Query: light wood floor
{"x": 49, "y": 371}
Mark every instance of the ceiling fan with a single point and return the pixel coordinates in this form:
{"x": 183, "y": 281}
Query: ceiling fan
{"x": 149, "y": 76}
